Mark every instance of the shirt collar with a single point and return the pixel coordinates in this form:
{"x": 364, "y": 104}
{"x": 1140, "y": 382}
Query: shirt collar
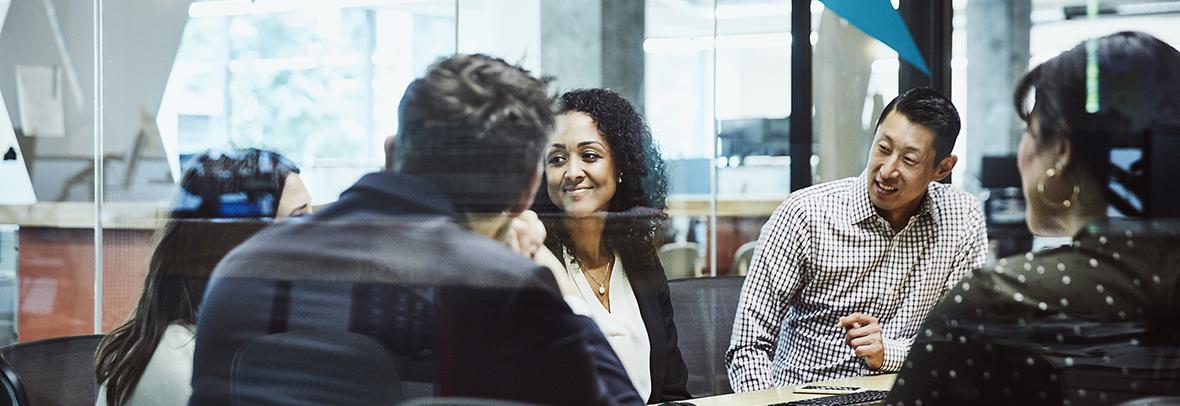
{"x": 394, "y": 194}
{"x": 861, "y": 208}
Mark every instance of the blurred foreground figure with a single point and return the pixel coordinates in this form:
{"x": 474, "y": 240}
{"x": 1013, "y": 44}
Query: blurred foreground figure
{"x": 1093, "y": 322}
{"x": 389, "y": 294}
{"x": 225, "y": 196}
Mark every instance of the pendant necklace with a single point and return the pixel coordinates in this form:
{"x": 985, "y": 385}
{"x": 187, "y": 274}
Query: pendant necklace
{"x": 601, "y": 285}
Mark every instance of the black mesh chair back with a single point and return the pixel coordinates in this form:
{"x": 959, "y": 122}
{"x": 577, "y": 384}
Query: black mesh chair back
{"x": 450, "y": 401}
{"x": 315, "y": 368}
{"x": 56, "y": 371}
{"x": 704, "y": 311}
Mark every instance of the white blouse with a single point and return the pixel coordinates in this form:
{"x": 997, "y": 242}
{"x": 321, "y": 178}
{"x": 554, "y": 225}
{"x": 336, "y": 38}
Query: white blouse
{"x": 167, "y": 378}
{"x": 623, "y": 325}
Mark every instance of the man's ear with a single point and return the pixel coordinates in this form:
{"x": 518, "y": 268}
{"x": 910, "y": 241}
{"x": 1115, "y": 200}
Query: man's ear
{"x": 944, "y": 167}
{"x": 526, "y": 197}
{"x": 389, "y": 145}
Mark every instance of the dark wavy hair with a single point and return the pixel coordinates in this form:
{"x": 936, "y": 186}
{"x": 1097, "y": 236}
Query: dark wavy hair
{"x": 244, "y": 185}
{"x": 1138, "y": 92}
{"x": 636, "y": 213}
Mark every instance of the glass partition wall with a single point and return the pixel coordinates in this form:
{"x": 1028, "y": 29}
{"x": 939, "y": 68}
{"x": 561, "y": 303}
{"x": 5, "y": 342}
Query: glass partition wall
{"x": 106, "y": 100}
{"x": 50, "y": 236}
{"x": 318, "y": 82}
{"x": 142, "y": 87}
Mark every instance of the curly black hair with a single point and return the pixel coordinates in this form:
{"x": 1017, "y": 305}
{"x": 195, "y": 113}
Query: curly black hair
{"x": 636, "y": 213}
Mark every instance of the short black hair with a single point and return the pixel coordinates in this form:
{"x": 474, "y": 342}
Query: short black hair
{"x": 1138, "y": 91}
{"x": 636, "y": 211}
{"x": 474, "y": 126}
{"x": 930, "y": 109}
{"x": 232, "y": 183}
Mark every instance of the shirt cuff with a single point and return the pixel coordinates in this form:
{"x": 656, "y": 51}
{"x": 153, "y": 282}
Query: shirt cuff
{"x": 895, "y": 352}
{"x": 749, "y": 378}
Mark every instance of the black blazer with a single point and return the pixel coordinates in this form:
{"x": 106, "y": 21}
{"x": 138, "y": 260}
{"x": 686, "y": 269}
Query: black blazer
{"x": 669, "y": 375}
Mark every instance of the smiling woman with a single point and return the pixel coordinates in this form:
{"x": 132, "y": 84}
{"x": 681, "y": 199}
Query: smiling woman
{"x": 603, "y": 203}
{"x": 582, "y": 178}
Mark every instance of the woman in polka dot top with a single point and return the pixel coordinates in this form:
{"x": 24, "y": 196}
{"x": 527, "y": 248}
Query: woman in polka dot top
{"x": 1098, "y": 321}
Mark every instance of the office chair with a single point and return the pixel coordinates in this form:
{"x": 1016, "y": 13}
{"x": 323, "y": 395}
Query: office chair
{"x": 55, "y": 371}
{"x": 314, "y": 368}
{"x": 704, "y": 309}
{"x": 680, "y": 259}
{"x": 742, "y": 258}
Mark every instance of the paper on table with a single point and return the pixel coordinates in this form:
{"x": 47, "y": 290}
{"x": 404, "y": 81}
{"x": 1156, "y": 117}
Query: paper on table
{"x": 39, "y": 95}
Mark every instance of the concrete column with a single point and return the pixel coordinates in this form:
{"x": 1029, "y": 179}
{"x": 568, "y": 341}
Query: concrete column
{"x": 622, "y": 48}
{"x": 594, "y": 43}
{"x": 571, "y": 42}
{"x": 843, "y": 64}
{"x": 997, "y": 56}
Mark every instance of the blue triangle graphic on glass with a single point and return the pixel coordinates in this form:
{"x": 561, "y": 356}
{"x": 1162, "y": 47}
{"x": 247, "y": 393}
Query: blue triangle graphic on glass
{"x": 879, "y": 20}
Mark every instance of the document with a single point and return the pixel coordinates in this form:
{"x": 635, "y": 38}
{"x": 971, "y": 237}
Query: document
{"x": 39, "y": 97}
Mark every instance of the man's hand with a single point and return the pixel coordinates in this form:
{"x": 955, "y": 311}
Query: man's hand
{"x": 526, "y": 234}
{"x": 863, "y": 334}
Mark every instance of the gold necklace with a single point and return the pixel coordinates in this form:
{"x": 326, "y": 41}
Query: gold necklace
{"x": 601, "y": 286}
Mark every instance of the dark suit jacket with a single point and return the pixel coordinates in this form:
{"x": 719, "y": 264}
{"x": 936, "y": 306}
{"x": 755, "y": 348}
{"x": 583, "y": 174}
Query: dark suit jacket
{"x": 388, "y": 265}
{"x": 669, "y": 376}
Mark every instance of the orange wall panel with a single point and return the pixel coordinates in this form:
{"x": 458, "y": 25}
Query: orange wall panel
{"x": 55, "y": 269}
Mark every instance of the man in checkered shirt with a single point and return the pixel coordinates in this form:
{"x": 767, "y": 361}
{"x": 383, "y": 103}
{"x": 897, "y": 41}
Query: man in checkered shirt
{"x": 846, "y": 271}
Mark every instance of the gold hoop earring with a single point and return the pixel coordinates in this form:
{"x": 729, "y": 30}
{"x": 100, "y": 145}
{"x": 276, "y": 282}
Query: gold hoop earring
{"x": 1050, "y": 174}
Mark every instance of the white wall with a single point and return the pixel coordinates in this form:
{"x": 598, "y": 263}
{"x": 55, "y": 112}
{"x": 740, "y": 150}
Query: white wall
{"x": 140, "y": 38}
{"x": 509, "y": 29}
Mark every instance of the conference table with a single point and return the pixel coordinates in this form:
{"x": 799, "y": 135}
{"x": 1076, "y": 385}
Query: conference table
{"x": 787, "y": 393}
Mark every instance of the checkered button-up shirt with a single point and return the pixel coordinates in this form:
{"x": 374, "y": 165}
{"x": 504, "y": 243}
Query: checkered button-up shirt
{"x": 826, "y": 253}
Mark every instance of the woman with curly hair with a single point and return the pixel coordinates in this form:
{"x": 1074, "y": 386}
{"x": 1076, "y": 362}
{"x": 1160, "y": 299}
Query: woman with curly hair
{"x": 603, "y": 205}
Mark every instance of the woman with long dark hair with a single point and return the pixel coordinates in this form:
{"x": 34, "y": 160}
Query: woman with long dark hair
{"x": 603, "y": 204}
{"x": 148, "y": 359}
{"x": 1093, "y": 322}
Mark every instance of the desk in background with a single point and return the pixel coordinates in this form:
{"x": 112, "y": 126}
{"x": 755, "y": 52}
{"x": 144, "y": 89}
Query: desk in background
{"x": 55, "y": 264}
{"x": 787, "y": 394}
{"x": 739, "y": 220}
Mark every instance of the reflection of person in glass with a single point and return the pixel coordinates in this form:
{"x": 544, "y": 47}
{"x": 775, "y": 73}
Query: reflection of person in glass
{"x": 387, "y": 295}
{"x": 606, "y": 177}
{"x": 845, "y": 271}
{"x": 148, "y": 359}
{"x": 1093, "y": 322}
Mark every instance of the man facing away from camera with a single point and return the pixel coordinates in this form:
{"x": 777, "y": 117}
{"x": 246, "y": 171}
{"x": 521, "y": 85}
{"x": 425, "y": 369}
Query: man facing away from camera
{"x": 390, "y": 293}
